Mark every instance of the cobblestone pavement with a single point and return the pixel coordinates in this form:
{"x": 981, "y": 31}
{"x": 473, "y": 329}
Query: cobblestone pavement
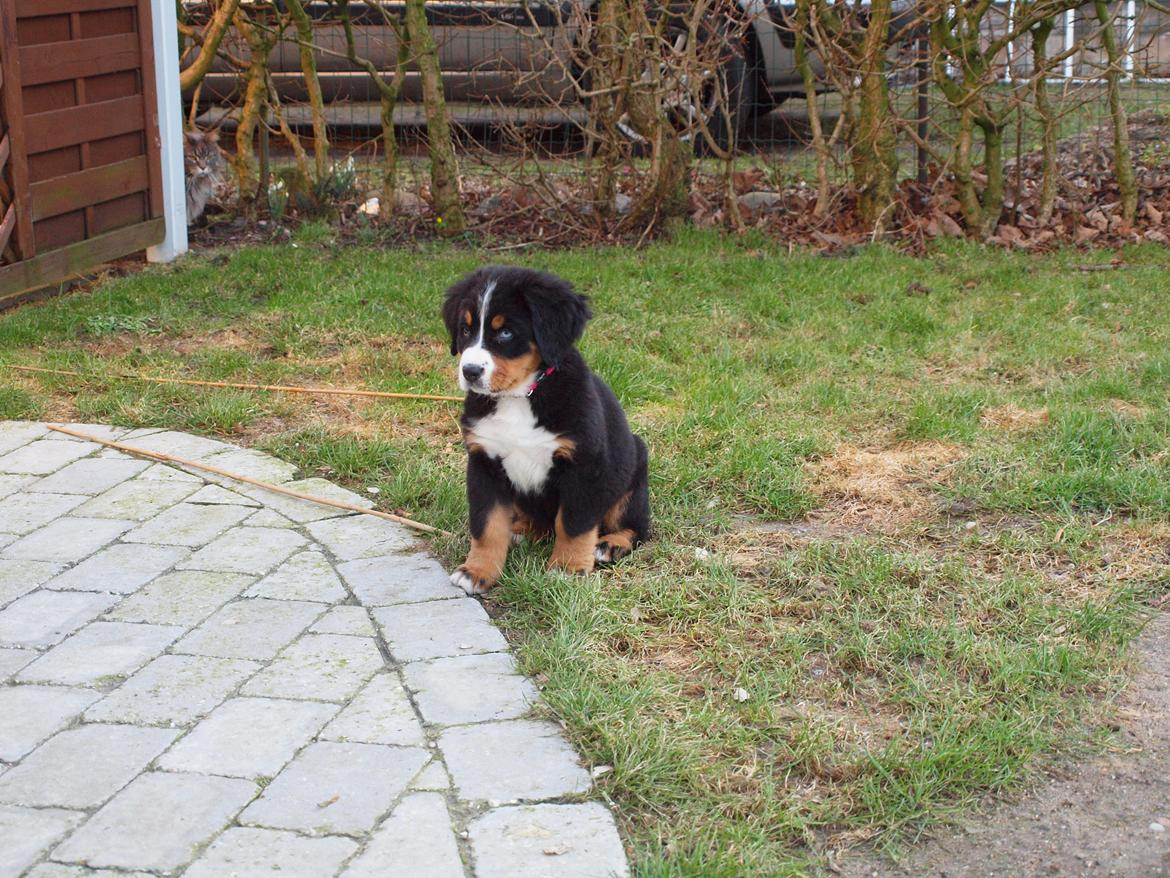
{"x": 203, "y": 678}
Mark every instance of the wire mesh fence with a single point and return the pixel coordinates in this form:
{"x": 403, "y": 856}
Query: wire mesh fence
{"x": 779, "y": 91}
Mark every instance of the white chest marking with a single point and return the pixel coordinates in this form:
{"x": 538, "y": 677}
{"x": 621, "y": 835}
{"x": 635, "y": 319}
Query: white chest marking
{"x": 511, "y": 435}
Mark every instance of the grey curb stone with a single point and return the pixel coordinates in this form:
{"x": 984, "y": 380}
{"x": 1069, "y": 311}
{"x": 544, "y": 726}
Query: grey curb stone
{"x": 29, "y": 832}
{"x": 398, "y": 579}
{"x": 306, "y": 576}
{"x": 325, "y": 667}
{"x": 20, "y": 577}
{"x": 29, "y": 714}
{"x": 82, "y": 767}
{"x": 187, "y": 525}
{"x": 303, "y": 511}
{"x": 415, "y": 840}
{"x": 121, "y": 568}
{"x": 548, "y": 841}
{"x": 136, "y": 500}
{"x": 67, "y": 539}
{"x": 246, "y": 550}
{"x": 360, "y": 536}
{"x": 246, "y": 462}
{"x": 214, "y": 494}
{"x": 91, "y": 476}
{"x": 44, "y": 456}
{"x": 336, "y": 789}
{"x": 185, "y": 597}
{"x": 512, "y": 761}
{"x": 23, "y": 511}
{"x": 12, "y": 660}
{"x": 438, "y": 628}
{"x": 243, "y": 851}
{"x": 248, "y": 737}
{"x": 45, "y": 617}
{"x": 157, "y": 821}
{"x": 345, "y": 619}
{"x": 145, "y": 702}
{"x": 14, "y": 434}
{"x": 380, "y": 714}
{"x": 173, "y": 690}
{"x": 469, "y": 689}
{"x": 255, "y": 628}
{"x": 98, "y": 651}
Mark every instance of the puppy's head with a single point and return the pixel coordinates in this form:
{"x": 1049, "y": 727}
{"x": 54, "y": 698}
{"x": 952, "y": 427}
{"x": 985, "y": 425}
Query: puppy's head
{"x": 504, "y": 322}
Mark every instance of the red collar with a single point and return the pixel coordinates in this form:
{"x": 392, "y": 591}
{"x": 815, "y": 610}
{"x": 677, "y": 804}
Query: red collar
{"x": 540, "y": 376}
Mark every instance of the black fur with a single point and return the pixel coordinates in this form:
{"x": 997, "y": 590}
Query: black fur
{"x": 607, "y": 460}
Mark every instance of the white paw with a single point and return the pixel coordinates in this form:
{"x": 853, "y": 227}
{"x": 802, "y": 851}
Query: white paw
{"x": 603, "y": 555}
{"x": 517, "y": 539}
{"x": 464, "y": 580}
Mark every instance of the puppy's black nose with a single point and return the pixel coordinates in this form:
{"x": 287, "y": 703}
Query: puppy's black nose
{"x": 472, "y": 372}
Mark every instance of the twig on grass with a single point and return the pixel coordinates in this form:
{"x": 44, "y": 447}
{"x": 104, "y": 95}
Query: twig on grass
{"x": 248, "y": 480}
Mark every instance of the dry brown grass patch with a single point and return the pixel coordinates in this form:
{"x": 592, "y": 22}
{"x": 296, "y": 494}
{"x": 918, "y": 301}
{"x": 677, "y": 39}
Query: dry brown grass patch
{"x": 1014, "y": 419}
{"x": 884, "y": 489}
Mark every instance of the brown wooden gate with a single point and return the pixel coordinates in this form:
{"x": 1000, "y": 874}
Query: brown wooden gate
{"x": 80, "y": 151}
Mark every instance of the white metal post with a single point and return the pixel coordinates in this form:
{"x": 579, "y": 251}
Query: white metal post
{"x": 1070, "y": 39}
{"x": 1007, "y": 70}
{"x": 1130, "y": 34}
{"x": 170, "y": 128}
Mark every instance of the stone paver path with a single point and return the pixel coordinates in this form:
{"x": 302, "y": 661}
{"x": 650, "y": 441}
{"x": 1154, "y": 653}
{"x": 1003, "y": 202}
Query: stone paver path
{"x": 203, "y": 678}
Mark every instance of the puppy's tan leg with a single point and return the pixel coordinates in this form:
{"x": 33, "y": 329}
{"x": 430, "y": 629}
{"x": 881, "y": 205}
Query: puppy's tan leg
{"x": 573, "y": 553}
{"x": 485, "y": 561}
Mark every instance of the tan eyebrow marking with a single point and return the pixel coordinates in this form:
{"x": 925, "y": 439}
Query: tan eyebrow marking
{"x": 497, "y": 321}
{"x": 467, "y": 317}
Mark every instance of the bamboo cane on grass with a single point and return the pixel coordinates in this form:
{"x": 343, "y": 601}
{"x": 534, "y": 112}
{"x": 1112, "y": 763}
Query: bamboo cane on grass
{"x": 278, "y": 388}
{"x": 248, "y": 480}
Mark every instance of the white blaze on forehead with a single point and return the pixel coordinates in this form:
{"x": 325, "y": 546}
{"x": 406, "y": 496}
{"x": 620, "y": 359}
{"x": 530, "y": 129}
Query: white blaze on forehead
{"x": 476, "y": 355}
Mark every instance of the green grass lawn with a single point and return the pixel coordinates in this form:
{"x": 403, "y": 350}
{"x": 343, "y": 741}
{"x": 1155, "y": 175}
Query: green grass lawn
{"x": 904, "y": 533}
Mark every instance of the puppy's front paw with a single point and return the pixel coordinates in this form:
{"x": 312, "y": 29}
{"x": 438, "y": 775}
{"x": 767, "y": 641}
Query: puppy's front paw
{"x": 472, "y": 582}
{"x": 576, "y": 567}
{"x": 613, "y": 547}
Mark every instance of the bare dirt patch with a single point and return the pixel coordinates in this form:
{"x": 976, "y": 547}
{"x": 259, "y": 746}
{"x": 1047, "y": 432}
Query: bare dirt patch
{"x": 1099, "y": 817}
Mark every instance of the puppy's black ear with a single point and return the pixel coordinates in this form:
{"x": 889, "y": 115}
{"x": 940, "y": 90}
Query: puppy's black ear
{"x": 559, "y": 314}
{"x": 453, "y": 307}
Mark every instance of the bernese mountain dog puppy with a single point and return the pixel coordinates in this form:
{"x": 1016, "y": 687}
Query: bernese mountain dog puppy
{"x": 548, "y": 446}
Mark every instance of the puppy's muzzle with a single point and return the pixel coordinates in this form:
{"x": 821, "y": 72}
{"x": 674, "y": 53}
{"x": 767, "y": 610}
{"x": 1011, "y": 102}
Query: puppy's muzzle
{"x": 472, "y": 372}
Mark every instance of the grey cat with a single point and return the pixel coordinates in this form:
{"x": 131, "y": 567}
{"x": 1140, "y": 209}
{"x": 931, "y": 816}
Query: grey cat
{"x": 202, "y": 162}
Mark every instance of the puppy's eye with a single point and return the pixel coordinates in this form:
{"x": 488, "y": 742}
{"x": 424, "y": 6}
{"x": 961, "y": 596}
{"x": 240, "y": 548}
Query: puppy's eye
{"x": 465, "y": 332}
{"x": 504, "y": 335}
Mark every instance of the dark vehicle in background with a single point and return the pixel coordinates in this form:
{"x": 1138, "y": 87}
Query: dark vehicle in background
{"x": 510, "y": 61}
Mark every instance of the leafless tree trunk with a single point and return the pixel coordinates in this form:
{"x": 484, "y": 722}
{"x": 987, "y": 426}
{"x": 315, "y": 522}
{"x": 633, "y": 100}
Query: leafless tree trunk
{"x": 801, "y": 23}
{"x": 388, "y": 94}
{"x": 254, "y": 108}
{"x": 304, "y": 29}
{"x": 875, "y": 160}
{"x": 444, "y": 169}
{"x": 1047, "y": 200}
{"x": 192, "y": 75}
{"x": 1122, "y": 158}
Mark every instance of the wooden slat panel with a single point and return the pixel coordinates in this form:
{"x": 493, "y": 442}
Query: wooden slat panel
{"x": 150, "y": 107}
{"x": 58, "y": 128}
{"x": 58, "y": 265}
{"x": 13, "y": 104}
{"x": 91, "y": 186}
{"x": 7, "y": 226}
{"x": 5, "y": 153}
{"x": 32, "y": 8}
{"x": 53, "y": 62}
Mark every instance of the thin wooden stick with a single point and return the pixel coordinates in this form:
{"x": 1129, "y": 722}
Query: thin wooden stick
{"x": 281, "y": 388}
{"x": 181, "y": 461}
